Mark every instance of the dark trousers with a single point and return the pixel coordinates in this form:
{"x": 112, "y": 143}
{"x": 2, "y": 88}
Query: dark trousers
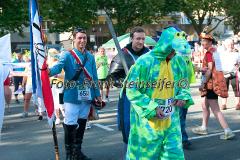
{"x": 17, "y": 81}
{"x": 182, "y": 114}
{"x": 234, "y": 84}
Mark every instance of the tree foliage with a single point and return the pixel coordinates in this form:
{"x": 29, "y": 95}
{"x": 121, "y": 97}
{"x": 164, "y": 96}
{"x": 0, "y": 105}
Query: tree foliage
{"x": 200, "y": 11}
{"x": 232, "y": 10}
{"x": 13, "y": 16}
{"x": 64, "y": 15}
{"x": 131, "y": 13}
{"x": 68, "y": 14}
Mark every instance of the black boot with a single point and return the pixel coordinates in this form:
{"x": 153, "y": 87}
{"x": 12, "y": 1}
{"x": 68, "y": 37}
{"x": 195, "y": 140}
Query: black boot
{"x": 78, "y": 155}
{"x": 69, "y": 133}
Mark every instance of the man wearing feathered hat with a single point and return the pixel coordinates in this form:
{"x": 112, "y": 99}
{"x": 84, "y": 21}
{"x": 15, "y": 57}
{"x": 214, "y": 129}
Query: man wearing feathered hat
{"x": 213, "y": 85}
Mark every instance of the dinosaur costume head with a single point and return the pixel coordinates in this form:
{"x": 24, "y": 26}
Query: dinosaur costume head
{"x": 183, "y": 49}
{"x": 172, "y": 38}
{"x": 180, "y": 44}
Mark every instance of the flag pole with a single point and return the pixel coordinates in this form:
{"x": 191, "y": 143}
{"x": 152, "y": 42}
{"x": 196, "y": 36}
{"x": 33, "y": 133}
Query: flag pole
{"x": 55, "y": 141}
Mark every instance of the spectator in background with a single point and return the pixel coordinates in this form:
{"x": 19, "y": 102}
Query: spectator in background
{"x": 220, "y": 46}
{"x": 237, "y": 42}
{"x": 53, "y": 58}
{"x": 102, "y": 71}
{"x": 231, "y": 58}
{"x": 17, "y": 80}
{"x": 91, "y": 51}
{"x": 197, "y": 59}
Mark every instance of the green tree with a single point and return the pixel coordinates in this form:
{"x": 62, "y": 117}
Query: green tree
{"x": 64, "y": 15}
{"x": 68, "y": 14}
{"x": 131, "y": 13}
{"x": 232, "y": 10}
{"x": 13, "y": 16}
{"x": 199, "y": 11}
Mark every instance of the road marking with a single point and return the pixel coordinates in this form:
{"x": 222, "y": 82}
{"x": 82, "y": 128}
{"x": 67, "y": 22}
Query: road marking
{"x": 112, "y": 125}
{"x": 111, "y": 99}
{"x": 108, "y": 115}
{"x": 211, "y": 135}
{"x": 104, "y": 127}
{"x": 107, "y": 110}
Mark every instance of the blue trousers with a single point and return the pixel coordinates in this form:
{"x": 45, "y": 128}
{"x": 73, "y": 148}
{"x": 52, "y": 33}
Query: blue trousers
{"x": 183, "y": 113}
{"x": 123, "y": 116}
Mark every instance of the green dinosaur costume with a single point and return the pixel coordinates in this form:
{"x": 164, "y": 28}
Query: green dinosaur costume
{"x": 154, "y": 82}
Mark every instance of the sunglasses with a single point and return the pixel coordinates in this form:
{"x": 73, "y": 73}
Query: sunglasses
{"x": 81, "y": 30}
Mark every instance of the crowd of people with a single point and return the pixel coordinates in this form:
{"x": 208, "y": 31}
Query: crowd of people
{"x": 152, "y": 113}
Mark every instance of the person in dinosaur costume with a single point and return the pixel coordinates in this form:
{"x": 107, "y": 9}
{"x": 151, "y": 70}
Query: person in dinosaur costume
{"x": 183, "y": 49}
{"x": 157, "y": 86}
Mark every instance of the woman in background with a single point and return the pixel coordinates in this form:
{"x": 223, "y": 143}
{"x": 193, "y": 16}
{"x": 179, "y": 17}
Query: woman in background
{"x": 57, "y": 90}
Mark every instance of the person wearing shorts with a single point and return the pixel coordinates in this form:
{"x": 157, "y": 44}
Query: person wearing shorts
{"x": 211, "y": 98}
{"x": 56, "y": 84}
{"x": 102, "y": 71}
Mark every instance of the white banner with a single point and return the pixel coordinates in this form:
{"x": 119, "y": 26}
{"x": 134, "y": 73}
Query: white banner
{"x": 12, "y": 66}
{"x": 5, "y": 56}
{"x": 4, "y": 71}
{"x": 5, "y": 48}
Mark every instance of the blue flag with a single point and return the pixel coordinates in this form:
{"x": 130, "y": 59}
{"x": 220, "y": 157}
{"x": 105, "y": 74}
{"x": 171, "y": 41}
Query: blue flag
{"x": 40, "y": 79}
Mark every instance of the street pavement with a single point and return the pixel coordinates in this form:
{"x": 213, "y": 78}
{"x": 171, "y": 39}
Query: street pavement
{"x": 30, "y": 139}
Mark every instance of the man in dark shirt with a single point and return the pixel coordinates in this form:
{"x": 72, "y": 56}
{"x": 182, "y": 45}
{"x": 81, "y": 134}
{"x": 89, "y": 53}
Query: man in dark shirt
{"x": 131, "y": 53}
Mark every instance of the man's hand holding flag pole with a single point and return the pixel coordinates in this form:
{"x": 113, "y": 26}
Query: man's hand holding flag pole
{"x": 40, "y": 78}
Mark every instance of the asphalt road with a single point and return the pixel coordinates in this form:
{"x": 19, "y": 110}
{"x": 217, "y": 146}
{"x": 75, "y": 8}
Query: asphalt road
{"x": 30, "y": 139}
